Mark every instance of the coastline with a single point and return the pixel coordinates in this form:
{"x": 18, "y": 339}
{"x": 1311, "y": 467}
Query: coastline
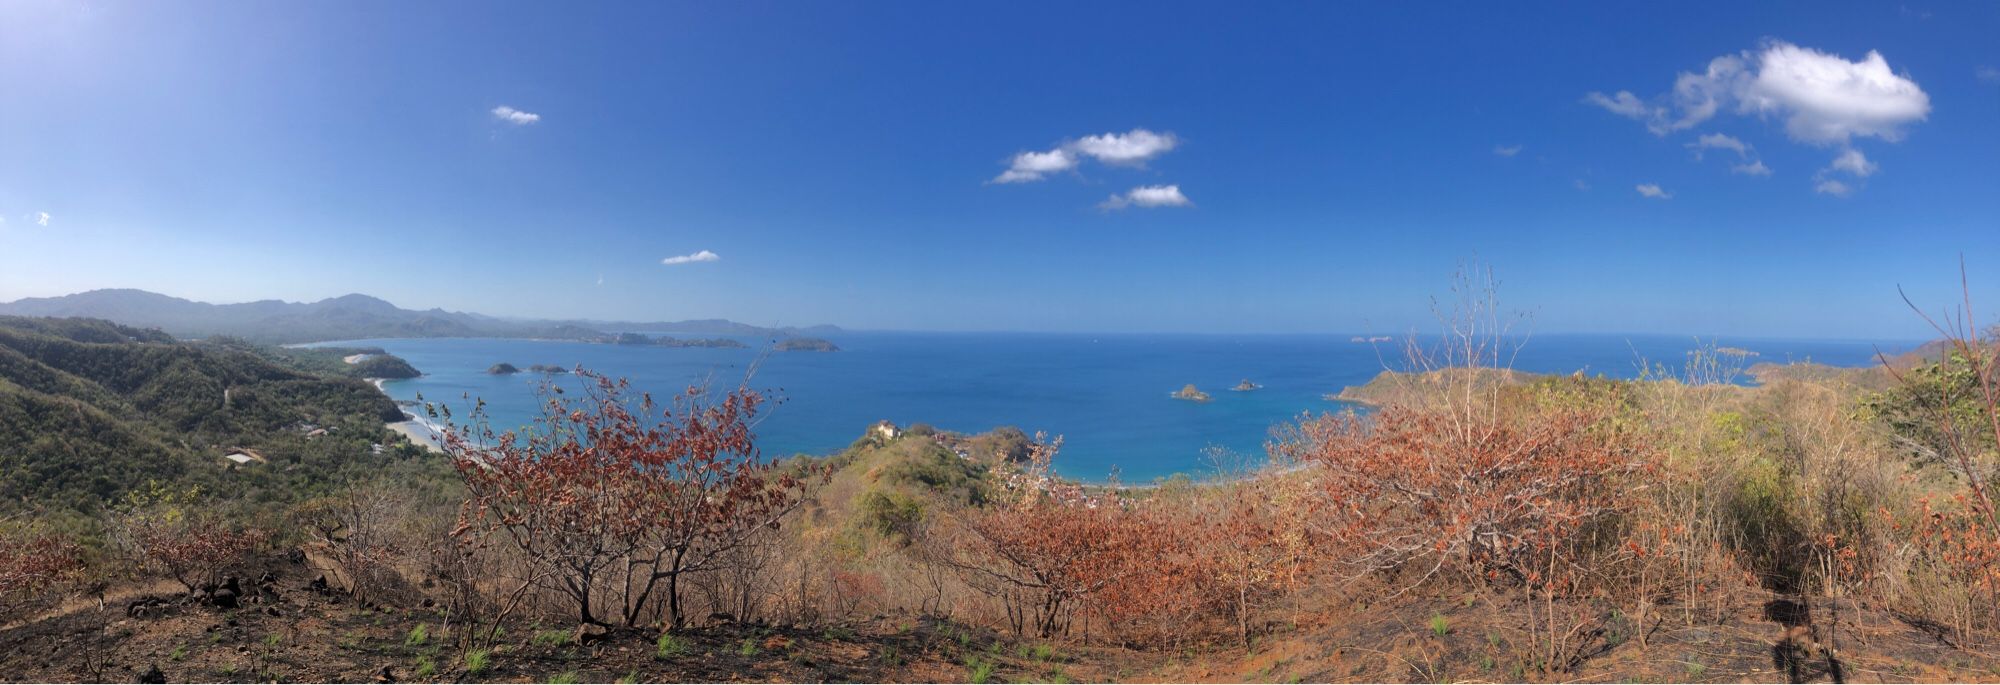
{"x": 416, "y": 428}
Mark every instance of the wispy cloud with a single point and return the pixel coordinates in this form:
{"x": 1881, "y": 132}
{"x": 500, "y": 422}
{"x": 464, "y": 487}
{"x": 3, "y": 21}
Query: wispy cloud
{"x": 1624, "y": 104}
{"x": 1853, "y": 162}
{"x": 1988, "y": 74}
{"x": 1032, "y": 166}
{"x": 1746, "y": 156}
{"x": 1147, "y": 196}
{"x": 1754, "y": 168}
{"x": 1653, "y": 190}
{"x": 515, "y": 116}
{"x": 702, "y": 256}
{"x": 1132, "y": 148}
{"x": 1717, "y": 141}
{"x": 1507, "y": 150}
{"x": 1581, "y": 184}
{"x": 41, "y": 219}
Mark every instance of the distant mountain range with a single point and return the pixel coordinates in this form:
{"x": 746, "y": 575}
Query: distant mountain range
{"x": 349, "y": 317}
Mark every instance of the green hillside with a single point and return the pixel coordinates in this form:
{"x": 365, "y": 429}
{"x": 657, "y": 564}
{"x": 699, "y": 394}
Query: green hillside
{"x": 91, "y": 409}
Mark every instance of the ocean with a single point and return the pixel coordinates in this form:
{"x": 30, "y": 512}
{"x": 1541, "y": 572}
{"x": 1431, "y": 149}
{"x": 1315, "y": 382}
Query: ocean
{"x": 1109, "y": 396}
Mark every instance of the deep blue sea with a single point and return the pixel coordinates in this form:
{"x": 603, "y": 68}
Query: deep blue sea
{"x": 1108, "y": 395}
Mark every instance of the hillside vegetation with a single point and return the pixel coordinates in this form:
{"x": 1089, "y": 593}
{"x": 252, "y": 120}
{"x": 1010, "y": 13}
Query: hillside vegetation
{"x": 90, "y": 411}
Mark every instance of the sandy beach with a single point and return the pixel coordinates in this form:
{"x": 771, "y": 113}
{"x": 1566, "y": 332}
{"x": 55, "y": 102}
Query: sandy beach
{"x": 417, "y": 430}
{"x": 418, "y": 433}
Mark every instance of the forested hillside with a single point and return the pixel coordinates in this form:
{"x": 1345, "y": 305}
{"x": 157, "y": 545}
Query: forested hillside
{"x": 90, "y": 410}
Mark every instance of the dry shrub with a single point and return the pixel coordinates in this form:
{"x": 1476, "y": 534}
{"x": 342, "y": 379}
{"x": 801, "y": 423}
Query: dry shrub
{"x": 613, "y": 505}
{"x": 1049, "y": 548}
{"x": 361, "y": 530}
{"x": 1238, "y": 546}
{"x": 1165, "y": 566}
{"x": 33, "y": 566}
{"x": 1949, "y": 414}
{"x": 174, "y": 534}
{"x": 1953, "y": 566}
{"x": 1417, "y": 493}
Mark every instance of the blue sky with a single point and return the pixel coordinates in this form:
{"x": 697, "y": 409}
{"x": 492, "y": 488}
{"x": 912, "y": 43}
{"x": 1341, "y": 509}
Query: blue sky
{"x": 1306, "y": 166}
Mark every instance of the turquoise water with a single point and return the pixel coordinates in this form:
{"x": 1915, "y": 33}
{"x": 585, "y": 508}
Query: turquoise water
{"x": 1108, "y": 395}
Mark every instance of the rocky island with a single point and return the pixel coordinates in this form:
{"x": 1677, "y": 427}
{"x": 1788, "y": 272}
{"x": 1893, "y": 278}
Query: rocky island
{"x": 502, "y": 369}
{"x": 806, "y": 345}
{"x": 547, "y": 368}
{"x": 1246, "y": 386}
{"x": 1189, "y": 393}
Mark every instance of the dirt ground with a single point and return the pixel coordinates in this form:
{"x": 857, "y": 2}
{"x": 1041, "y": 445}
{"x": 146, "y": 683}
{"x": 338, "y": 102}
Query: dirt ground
{"x": 288, "y": 628}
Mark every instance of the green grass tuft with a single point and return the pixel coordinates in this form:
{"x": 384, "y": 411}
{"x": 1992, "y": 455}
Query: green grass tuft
{"x": 982, "y": 670}
{"x": 667, "y": 647}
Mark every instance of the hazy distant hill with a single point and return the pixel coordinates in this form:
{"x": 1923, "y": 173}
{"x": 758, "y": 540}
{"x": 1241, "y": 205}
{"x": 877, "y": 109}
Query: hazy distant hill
{"x": 347, "y": 317}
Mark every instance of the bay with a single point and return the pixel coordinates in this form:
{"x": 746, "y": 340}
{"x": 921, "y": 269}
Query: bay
{"x": 1108, "y": 395}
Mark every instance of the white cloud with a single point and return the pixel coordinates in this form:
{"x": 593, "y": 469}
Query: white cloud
{"x": 515, "y": 116}
{"x": 1754, "y": 168}
{"x": 1653, "y": 190}
{"x": 1148, "y": 196}
{"x": 1853, "y": 162}
{"x": 1827, "y": 99}
{"x": 1717, "y": 141}
{"x": 1623, "y": 104}
{"x": 1581, "y": 184}
{"x": 702, "y": 256}
{"x": 1032, "y": 166}
{"x": 1987, "y": 74}
{"x": 1507, "y": 150}
{"x": 1133, "y": 147}
{"x": 1832, "y": 187}
{"x": 41, "y": 219}
{"x": 1746, "y": 156}
{"x": 1823, "y": 98}
{"x": 1698, "y": 96}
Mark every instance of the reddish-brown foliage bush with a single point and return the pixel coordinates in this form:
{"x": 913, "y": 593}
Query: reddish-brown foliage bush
{"x": 610, "y": 501}
{"x": 196, "y": 552}
{"x": 1049, "y": 548}
{"x": 175, "y": 534}
{"x": 31, "y": 565}
{"x": 1427, "y": 491}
